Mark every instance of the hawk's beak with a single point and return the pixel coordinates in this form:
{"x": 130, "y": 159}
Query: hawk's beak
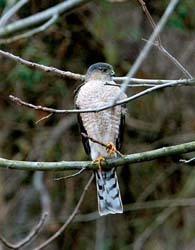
{"x": 112, "y": 73}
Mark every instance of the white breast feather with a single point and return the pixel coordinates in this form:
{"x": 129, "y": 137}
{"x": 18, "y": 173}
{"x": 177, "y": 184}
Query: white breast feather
{"x": 102, "y": 126}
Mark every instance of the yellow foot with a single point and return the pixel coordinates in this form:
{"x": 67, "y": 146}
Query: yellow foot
{"x": 110, "y": 148}
{"x": 98, "y": 161}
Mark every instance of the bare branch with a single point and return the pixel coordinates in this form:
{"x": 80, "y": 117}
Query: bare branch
{"x": 68, "y": 74}
{"x": 173, "y": 59}
{"x": 44, "y": 118}
{"x": 42, "y": 67}
{"x": 132, "y": 85}
{"x": 70, "y": 176}
{"x": 131, "y": 98}
{"x": 70, "y": 218}
{"x": 138, "y": 80}
{"x": 31, "y": 32}
{"x": 187, "y": 161}
{"x": 39, "y": 185}
{"x": 148, "y": 46}
{"x": 154, "y": 204}
{"x": 5, "y": 18}
{"x": 29, "y": 238}
{"x": 159, "y": 220}
{"x": 41, "y": 16}
{"x": 114, "y": 162}
{"x": 159, "y": 44}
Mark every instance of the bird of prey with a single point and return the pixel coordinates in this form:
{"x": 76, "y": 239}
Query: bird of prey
{"x": 106, "y": 127}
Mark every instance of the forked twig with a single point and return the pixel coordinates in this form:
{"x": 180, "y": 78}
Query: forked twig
{"x": 29, "y": 237}
{"x": 32, "y": 32}
{"x": 144, "y": 52}
{"x": 159, "y": 44}
{"x": 70, "y": 218}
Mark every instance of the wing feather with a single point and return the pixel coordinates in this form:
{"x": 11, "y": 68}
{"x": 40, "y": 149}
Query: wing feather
{"x": 84, "y": 139}
{"x": 119, "y": 140}
{"x": 82, "y": 129}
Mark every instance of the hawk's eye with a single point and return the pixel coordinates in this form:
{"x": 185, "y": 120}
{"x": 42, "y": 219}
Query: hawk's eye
{"x": 103, "y": 69}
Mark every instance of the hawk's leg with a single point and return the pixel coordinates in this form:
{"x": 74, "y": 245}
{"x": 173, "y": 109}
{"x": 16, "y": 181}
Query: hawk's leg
{"x": 110, "y": 148}
{"x": 98, "y": 161}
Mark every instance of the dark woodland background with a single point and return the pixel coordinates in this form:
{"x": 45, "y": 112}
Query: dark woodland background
{"x": 109, "y": 32}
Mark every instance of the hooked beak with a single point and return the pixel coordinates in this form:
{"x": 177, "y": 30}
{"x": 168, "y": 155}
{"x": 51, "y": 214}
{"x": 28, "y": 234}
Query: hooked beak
{"x": 112, "y": 73}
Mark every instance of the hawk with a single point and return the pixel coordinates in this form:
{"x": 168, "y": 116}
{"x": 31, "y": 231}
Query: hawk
{"x": 106, "y": 127}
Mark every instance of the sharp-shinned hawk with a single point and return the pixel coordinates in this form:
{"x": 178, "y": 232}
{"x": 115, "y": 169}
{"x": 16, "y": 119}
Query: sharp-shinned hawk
{"x": 104, "y": 126}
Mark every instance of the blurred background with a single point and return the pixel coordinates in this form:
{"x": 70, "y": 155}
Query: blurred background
{"x": 112, "y": 32}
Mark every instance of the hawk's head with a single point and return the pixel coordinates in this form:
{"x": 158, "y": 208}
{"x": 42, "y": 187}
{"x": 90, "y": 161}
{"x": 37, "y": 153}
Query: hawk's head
{"x": 100, "y": 71}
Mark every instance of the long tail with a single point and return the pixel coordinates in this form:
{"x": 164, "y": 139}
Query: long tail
{"x": 108, "y": 193}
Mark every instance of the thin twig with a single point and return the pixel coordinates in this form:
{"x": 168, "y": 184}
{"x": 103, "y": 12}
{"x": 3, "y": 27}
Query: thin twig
{"x": 148, "y": 46}
{"x": 129, "y": 99}
{"x": 146, "y": 205}
{"x": 187, "y": 161}
{"x": 173, "y": 59}
{"x": 159, "y": 44}
{"x": 159, "y": 220}
{"x": 41, "y": 67}
{"x": 132, "y": 85}
{"x": 151, "y": 20}
{"x": 27, "y": 239}
{"x": 142, "y": 81}
{"x": 68, "y": 74}
{"x": 98, "y": 142}
{"x": 70, "y": 176}
{"x": 42, "y": 16}
{"x": 5, "y": 18}
{"x": 43, "y": 118}
{"x": 40, "y": 187}
{"x": 70, "y": 218}
{"x": 30, "y": 32}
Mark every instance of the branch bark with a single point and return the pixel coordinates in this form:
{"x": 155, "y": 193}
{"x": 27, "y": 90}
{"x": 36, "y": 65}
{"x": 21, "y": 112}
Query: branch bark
{"x": 144, "y": 52}
{"x": 129, "y": 99}
{"x": 41, "y": 16}
{"x": 35, "y": 231}
{"x": 70, "y": 218}
{"x": 75, "y": 76}
{"x": 115, "y": 162}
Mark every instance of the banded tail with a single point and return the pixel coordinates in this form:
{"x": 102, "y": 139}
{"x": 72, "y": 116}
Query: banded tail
{"x": 108, "y": 193}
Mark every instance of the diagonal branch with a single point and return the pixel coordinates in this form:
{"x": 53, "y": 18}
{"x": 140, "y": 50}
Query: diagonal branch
{"x": 159, "y": 44}
{"x": 70, "y": 218}
{"x": 5, "y": 18}
{"x": 41, "y": 16}
{"x": 148, "y": 46}
{"x": 115, "y": 162}
{"x": 42, "y": 67}
{"x": 31, "y": 32}
{"x": 185, "y": 82}
{"x": 28, "y": 238}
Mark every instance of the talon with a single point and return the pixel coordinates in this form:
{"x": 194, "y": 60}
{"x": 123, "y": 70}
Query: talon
{"x": 98, "y": 161}
{"x": 110, "y": 148}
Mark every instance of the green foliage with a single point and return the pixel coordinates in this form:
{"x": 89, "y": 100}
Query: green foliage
{"x": 28, "y": 76}
{"x": 183, "y": 18}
